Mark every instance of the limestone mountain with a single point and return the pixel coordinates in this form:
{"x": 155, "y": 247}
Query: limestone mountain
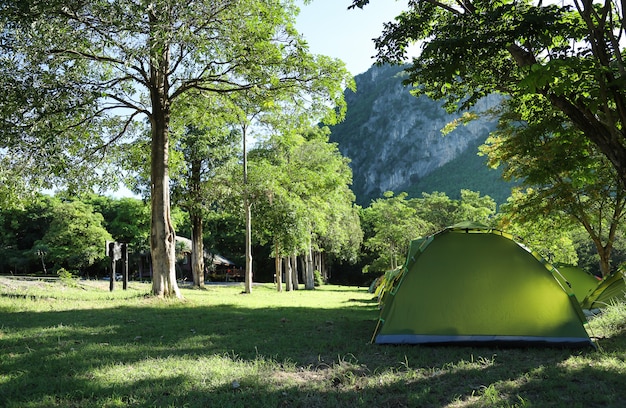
{"x": 395, "y": 143}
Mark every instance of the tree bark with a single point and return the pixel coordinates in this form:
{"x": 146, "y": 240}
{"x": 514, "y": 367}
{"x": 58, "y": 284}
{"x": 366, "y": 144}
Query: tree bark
{"x": 294, "y": 270}
{"x": 196, "y": 219}
{"x": 605, "y": 260}
{"x": 248, "y": 215}
{"x": 278, "y": 271}
{"x": 248, "y": 276}
{"x": 288, "y": 273}
{"x": 197, "y": 249}
{"x": 309, "y": 279}
{"x": 163, "y": 237}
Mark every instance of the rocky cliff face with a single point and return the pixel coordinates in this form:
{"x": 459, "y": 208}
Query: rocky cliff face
{"x": 394, "y": 139}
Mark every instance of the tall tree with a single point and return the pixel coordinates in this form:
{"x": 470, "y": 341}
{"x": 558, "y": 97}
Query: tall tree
{"x": 306, "y": 191}
{"x": 285, "y": 111}
{"x": 209, "y": 148}
{"x": 570, "y": 53}
{"x": 112, "y": 62}
{"x": 394, "y": 222}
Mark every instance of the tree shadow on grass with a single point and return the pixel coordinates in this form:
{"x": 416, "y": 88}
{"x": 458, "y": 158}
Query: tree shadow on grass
{"x": 290, "y": 356}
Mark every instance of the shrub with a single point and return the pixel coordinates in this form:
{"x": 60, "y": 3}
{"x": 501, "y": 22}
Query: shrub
{"x": 66, "y": 277}
{"x": 318, "y": 278}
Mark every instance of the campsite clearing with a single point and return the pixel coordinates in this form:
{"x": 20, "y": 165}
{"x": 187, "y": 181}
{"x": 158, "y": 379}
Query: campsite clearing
{"x": 82, "y": 346}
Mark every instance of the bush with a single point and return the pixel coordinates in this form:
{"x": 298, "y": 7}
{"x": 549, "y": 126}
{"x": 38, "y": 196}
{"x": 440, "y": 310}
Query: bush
{"x": 611, "y": 321}
{"x": 318, "y": 278}
{"x": 66, "y": 277}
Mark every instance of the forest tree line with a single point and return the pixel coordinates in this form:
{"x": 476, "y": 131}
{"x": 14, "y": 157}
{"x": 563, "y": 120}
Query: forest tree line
{"x": 160, "y": 95}
{"x": 53, "y": 233}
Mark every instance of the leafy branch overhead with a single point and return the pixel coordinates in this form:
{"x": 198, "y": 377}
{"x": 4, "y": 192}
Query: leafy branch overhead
{"x": 569, "y": 53}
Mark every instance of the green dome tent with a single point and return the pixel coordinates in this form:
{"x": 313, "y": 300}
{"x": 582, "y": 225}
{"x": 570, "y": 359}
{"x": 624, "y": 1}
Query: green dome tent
{"x": 470, "y": 284}
{"x": 581, "y": 282}
{"x": 610, "y": 289}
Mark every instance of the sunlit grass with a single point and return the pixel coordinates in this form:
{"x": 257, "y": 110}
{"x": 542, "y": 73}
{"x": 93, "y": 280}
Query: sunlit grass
{"x": 83, "y": 346}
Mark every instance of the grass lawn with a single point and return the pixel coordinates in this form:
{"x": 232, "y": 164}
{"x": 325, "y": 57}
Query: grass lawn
{"x": 83, "y": 346}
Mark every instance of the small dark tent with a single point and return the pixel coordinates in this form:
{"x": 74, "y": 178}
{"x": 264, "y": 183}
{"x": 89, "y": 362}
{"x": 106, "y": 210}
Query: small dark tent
{"x": 469, "y": 283}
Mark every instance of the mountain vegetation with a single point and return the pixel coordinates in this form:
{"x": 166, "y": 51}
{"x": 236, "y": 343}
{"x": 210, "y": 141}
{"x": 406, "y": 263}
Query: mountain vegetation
{"x": 568, "y": 55}
{"x": 395, "y": 142}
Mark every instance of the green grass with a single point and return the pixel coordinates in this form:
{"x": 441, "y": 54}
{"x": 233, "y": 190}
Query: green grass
{"x": 82, "y": 346}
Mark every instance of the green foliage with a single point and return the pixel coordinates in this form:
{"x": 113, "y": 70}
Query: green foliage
{"x": 66, "y": 277}
{"x": 101, "y": 66}
{"x": 319, "y": 281}
{"x": 391, "y": 223}
{"x": 19, "y": 230}
{"x": 209, "y": 149}
{"x": 223, "y": 234}
{"x": 51, "y": 234}
{"x": 126, "y": 219}
{"x": 440, "y": 211}
{"x": 570, "y": 56}
{"x": 302, "y": 187}
{"x": 563, "y": 172}
{"x": 551, "y": 235}
{"x": 75, "y": 237}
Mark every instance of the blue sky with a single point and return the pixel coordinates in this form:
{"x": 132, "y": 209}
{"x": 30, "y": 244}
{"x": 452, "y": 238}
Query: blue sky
{"x": 331, "y": 29}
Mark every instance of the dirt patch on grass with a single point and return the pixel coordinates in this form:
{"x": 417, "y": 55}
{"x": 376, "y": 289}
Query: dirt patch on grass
{"x": 17, "y": 284}
{"x": 299, "y": 377}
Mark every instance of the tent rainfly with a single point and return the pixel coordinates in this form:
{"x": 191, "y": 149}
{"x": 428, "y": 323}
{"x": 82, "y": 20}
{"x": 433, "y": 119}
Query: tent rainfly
{"x": 581, "y": 282}
{"x": 472, "y": 284}
{"x": 611, "y": 288}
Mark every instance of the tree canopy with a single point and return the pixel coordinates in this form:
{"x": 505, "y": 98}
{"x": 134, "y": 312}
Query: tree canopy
{"x": 564, "y": 176}
{"x": 77, "y": 77}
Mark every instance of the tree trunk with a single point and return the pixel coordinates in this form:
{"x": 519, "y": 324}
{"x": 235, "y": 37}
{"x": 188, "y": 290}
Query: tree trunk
{"x": 303, "y": 268}
{"x": 294, "y": 271}
{"x": 248, "y": 214}
{"x": 329, "y": 269}
{"x": 323, "y": 267}
{"x": 196, "y": 219}
{"x": 605, "y": 261}
{"x": 162, "y": 235}
{"x": 320, "y": 265}
{"x": 309, "y": 279}
{"x": 278, "y": 270}
{"x": 248, "y": 276}
{"x": 288, "y": 273}
{"x": 197, "y": 249}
